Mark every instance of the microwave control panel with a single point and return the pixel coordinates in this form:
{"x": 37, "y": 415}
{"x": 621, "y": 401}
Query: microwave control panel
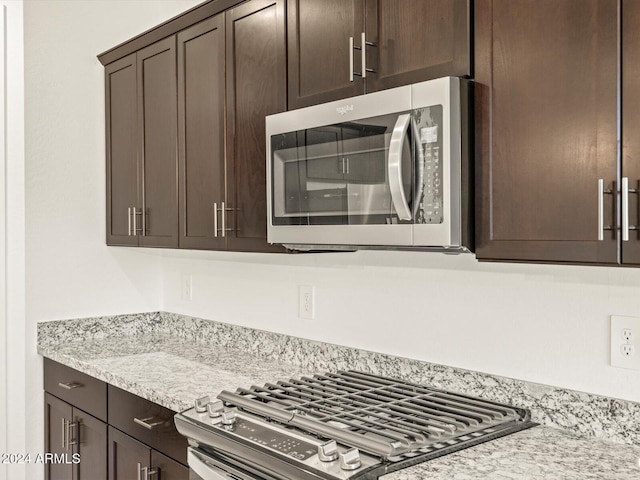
{"x": 428, "y": 121}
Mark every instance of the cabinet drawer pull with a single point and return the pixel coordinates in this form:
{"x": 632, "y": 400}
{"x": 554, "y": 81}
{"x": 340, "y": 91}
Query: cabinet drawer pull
{"x": 149, "y": 422}
{"x": 70, "y": 385}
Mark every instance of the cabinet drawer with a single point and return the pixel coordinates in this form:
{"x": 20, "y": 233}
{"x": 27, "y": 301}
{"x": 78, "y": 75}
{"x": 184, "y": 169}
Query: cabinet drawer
{"x": 127, "y": 412}
{"x": 77, "y": 388}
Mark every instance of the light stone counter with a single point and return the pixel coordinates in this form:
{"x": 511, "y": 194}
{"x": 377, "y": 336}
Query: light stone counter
{"x": 539, "y": 453}
{"x": 171, "y": 360}
{"x": 169, "y": 371}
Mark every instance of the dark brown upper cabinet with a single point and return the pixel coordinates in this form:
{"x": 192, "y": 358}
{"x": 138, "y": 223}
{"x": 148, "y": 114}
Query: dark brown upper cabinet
{"x": 122, "y": 150}
{"x": 231, "y": 74}
{"x": 405, "y": 42}
{"x": 546, "y": 89}
{"x": 256, "y": 87}
{"x": 201, "y": 121}
{"x": 630, "y": 127}
{"x": 141, "y": 110}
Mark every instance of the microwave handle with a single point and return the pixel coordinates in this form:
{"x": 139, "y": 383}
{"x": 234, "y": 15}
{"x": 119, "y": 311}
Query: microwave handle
{"x": 419, "y": 183}
{"x": 394, "y": 166}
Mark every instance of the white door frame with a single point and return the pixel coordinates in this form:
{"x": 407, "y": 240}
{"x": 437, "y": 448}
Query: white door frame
{"x": 3, "y": 237}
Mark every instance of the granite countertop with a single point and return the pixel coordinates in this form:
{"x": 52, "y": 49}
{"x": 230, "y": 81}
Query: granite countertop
{"x": 169, "y": 371}
{"x": 172, "y": 371}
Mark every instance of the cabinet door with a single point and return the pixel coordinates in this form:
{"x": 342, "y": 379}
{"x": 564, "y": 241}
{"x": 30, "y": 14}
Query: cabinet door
{"x": 56, "y": 413}
{"x": 169, "y": 469}
{"x": 255, "y": 88}
{"x": 201, "y": 132}
{"x": 122, "y": 155}
{"x": 126, "y": 456}
{"x": 157, "y": 116}
{"x": 545, "y": 97}
{"x": 631, "y": 122}
{"x": 416, "y": 40}
{"x": 91, "y": 438}
{"x": 318, "y": 50}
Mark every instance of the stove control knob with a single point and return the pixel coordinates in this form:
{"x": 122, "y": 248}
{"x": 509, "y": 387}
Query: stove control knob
{"x": 328, "y": 452}
{"x": 350, "y": 460}
{"x": 215, "y": 408}
{"x": 229, "y": 417}
{"x": 201, "y": 404}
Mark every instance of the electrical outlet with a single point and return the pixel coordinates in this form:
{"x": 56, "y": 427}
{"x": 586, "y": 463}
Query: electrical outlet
{"x": 187, "y": 284}
{"x": 306, "y": 305}
{"x": 624, "y": 331}
{"x": 627, "y": 350}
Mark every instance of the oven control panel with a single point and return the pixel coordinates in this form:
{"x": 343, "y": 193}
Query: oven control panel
{"x": 274, "y": 439}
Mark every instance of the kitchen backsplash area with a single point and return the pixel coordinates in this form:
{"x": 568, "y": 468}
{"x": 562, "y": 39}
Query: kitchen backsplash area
{"x": 587, "y": 414}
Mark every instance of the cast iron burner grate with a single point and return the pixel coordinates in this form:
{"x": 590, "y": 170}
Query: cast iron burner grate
{"x": 388, "y": 418}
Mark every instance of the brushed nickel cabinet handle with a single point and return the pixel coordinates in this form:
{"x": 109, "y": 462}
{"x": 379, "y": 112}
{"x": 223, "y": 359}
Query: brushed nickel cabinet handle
{"x": 70, "y": 427}
{"x": 601, "y": 194}
{"x": 624, "y": 186}
{"x": 351, "y": 59}
{"x": 129, "y": 221}
{"x": 145, "y": 473}
{"x": 148, "y": 422}
{"x": 70, "y": 385}
{"x": 223, "y": 214}
{"x": 150, "y": 472}
{"x": 135, "y": 221}
{"x": 64, "y": 434}
{"x": 363, "y": 54}
{"x": 215, "y": 220}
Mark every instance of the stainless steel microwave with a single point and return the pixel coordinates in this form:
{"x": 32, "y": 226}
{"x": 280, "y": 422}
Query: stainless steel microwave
{"x": 390, "y": 169}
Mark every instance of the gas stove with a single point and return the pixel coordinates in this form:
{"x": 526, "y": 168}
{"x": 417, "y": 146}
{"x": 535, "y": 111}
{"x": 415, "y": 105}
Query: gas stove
{"x": 344, "y": 425}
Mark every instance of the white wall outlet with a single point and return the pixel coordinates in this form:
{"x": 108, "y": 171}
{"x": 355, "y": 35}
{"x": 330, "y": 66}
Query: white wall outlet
{"x": 187, "y": 286}
{"x": 306, "y": 307}
{"x": 624, "y": 332}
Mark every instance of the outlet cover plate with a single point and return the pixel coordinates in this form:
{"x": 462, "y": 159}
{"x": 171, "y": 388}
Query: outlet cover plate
{"x": 306, "y": 302}
{"x": 621, "y": 325}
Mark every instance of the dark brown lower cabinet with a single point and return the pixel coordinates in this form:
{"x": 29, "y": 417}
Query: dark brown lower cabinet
{"x": 56, "y": 413}
{"x": 131, "y": 459}
{"x": 131, "y": 435}
{"x": 78, "y": 441}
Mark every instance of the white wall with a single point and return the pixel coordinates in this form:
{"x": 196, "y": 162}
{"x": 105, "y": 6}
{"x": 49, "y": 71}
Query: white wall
{"x": 12, "y": 249}
{"x": 540, "y": 323}
{"x": 70, "y": 272}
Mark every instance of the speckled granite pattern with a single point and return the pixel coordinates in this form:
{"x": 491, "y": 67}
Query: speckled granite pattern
{"x": 538, "y": 453}
{"x": 582, "y": 413}
{"x": 68, "y": 331}
{"x": 171, "y": 372}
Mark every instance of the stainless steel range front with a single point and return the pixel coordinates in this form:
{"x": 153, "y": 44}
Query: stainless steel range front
{"x": 345, "y": 425}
